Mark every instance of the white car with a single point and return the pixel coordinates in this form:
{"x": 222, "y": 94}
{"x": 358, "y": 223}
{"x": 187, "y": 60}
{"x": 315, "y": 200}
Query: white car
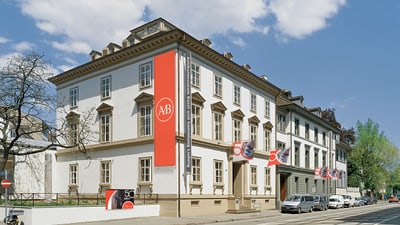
{"x": 336, "y": 202}
{"x": 348, "y": 201}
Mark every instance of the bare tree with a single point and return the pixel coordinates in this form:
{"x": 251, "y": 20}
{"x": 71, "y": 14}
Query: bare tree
{"x": 27, "y": 98}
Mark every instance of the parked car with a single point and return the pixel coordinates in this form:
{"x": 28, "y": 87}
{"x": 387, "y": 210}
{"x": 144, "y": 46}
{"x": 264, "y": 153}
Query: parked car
{"x": 348, "y": 201}
{"x": 367, "y": 200}
{"x": 393, "y": 199}
{"x": 298, "y": 203}
{"x": 336, "y": 202}
{"x": 321, "y": 202}
{"x": 358, "y": 201}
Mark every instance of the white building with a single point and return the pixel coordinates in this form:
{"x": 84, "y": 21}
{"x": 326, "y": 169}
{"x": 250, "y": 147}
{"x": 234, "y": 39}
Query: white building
{"x": 312, "y": 144}
{"x": 139, "y": 90}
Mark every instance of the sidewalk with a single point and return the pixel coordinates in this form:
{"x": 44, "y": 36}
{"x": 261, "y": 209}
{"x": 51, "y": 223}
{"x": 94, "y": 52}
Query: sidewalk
{"x": 208, "y": 219}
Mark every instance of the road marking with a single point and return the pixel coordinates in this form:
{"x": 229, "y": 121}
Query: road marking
{"x": 394, "y": 217}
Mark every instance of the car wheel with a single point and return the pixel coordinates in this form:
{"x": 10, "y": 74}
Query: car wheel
{"x": 299, "y": 211}
{"x": 311, "y": 209}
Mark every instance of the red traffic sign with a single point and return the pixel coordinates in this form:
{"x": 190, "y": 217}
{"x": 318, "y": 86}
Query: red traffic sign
{"x": 5, "y": 183}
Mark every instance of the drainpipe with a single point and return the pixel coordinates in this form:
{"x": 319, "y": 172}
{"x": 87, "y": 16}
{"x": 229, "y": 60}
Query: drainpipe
{"x": 179, "y": 129}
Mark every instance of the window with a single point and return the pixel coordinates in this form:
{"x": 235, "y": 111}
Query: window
{"x": 196, "y": 119}
{"x": 267, "y": 139}
{"x": 105, "y": 172}
{"x": 296, "y": 126}
{"x": 73, "y": 174}
{"x": 145, "y": 169}
{"x": 73, "y": 97}
{"x": 324, "y": 138}
{"x": 236, "y": 94}
{"x": 316, "y": 135}
{"x": 217, "y": 86}
{"x": 145, "y": 75}
{"x": 316, "y": 158}
{"x": 105, "y": 87}
{"x": 196, "y": 169}
{"x": 268, "y": 177}
{"x": 281, "y": 122}
{"x": 253, "y": 175}
{"x": 324, "y": 163}
{"x": 307, "y": 131}
{"x": 253, "y": 102}
{"x": 253, "y": 133}
{"x": 297, "y": 155}
{"x": 267, "y": 108}
{"x": 307, "y": 156}
{"x": 195, "y": 75}
{"x": 105, "y": 128}
{"x": 218, "y": 126}
{"x": 296, "y": 181}
{"x": 73, "y": 132}
{"x": 218, "y": 172}
{"x": 281, "y": 145}
{"x": 146, "y": 118}
{"x": 237, "y": 130}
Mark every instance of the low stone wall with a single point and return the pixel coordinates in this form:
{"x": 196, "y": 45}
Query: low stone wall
{"x": 64, "y": 215}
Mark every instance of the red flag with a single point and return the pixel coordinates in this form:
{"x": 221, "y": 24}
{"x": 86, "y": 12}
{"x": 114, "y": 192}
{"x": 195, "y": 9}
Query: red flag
{"x": 277, "y": 156}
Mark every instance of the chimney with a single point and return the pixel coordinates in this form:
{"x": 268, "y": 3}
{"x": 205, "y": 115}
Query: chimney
{"x": 206, "y": 42}
{"x": 247, "y": 67}
{"x": 228, "y": 55}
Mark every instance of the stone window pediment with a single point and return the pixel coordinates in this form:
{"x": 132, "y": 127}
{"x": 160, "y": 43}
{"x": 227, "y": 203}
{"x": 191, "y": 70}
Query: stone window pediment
{"x": 144, "y": 97}
{"x": 237, "y": 114}
{"x": 254, "y": 120}
{"x": 268, "y": 125}
{"x": 73, "y": 115}
{"x": 197, "y": 98}
{"x": 218, "y": 106}
{"x": 104, "y": 107}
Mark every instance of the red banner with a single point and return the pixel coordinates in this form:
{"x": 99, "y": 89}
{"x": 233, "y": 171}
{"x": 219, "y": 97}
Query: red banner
{"x": 120, "y": 199}
{"x": 164, "y": 111}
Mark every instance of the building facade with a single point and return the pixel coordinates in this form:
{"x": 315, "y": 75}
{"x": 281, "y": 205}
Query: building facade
{"x": 169, "y": 110}
{"x": 311, "y": 142}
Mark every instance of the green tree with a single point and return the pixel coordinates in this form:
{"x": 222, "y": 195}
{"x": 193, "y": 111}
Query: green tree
{"x": 372, "y": 157}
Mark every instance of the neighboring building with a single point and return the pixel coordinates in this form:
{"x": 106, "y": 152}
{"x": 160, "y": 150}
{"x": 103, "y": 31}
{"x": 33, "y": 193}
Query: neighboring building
{"x": 312, "y": 144}
{"x": 139, "y": 90}
{"x": 30, "y": 173}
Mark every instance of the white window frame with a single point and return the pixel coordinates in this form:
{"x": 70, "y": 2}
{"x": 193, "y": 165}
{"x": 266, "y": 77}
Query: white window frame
{"x": 253, "y": 175}
{"x": 146, "y": 120}
{"x": 218, "y": 125}
{"x": 253, "y": 133}
{"x": 73, "y": 97}
{"x": 73, "y": 174}
{"x": 267, "y": 177}
{"x": 218, "y": 172}
{"x": 105, "y": 172}
{"x": 145, "y": 75}
{"x": 236, "y": 94}
{"x": 267, "y": 139}
{"x": 105, "y": 87}
{"x": 196, "y": 170}
{"x": 267, "y": 108}
{"x": 145, "y": 170}
{"x": 196, "y": 119}
{"x": 105, "y": 127}
{"x": 237, "y": 129}
{"x": 195, "y": 75}
{"x": 217, "y": 86}
{"x": 253, "y": 102}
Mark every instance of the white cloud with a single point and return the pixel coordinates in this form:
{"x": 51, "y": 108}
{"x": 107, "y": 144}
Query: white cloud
{"x": 23, "y": 46}
{"x": 3, "y": 40}
{"x": 343, "y": 104}
{"x": 300, "y": 18}
{"x": 92, "y": 24}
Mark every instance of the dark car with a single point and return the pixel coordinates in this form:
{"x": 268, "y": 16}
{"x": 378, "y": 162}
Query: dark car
{"x": 321, "y": 202}
{"x": 367, "y": 200}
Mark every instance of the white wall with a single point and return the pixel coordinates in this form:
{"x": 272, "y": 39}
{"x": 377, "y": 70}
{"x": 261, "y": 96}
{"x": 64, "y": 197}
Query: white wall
{"x": 63, "y": 215}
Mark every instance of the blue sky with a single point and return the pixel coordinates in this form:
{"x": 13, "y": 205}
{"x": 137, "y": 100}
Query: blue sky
{"x": 337, "y": 54}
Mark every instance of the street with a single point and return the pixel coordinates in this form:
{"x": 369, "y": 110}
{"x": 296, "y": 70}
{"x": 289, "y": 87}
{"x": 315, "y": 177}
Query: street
{"x": 383, "y": 213}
